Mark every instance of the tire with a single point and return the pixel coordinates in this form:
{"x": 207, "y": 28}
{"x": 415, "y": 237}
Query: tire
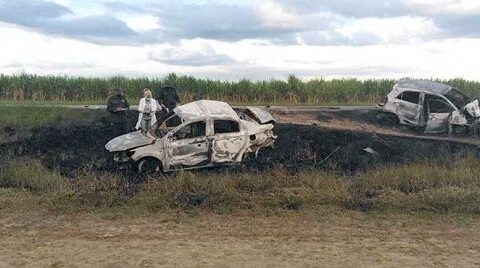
{"x": 149, "y": 166}
{"x": 459, "y": 130}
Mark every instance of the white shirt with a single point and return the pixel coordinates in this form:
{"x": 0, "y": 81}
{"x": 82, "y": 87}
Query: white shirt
{"x": 143, "y": 107}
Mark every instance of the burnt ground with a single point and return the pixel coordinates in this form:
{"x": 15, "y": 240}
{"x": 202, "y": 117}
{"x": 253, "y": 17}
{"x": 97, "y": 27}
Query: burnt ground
{"x": 75, "y": 146}
{"x": 303, "y": 147}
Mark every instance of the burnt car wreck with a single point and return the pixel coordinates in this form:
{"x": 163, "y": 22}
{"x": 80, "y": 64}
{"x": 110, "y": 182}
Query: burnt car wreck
{"x": 431, "y": 107}
{"x": 195, "y": 135}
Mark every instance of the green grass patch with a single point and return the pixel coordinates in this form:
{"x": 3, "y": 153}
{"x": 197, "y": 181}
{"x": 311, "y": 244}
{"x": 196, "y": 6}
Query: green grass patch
{"x": 17, "y": 122}
{"x": 31, "y": 175}
{"x": 28, "y": 116}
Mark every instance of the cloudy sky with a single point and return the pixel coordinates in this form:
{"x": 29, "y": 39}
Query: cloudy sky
{"x": 256, "y": 39}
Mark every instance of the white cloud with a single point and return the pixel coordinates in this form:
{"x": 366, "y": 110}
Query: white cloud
{"x": 275, "y": 16}
{"x": 392, "y": 30}
{"x": 33, "y": 52}
{"x": 143, "y": 23}
{"x": 408, "y": 46}
{"x": 196, "y": 53}
{"x": 457, "y": 7}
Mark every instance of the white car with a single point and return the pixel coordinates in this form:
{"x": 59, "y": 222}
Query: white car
{"x": 432, "y": 106}
{"x": 195, "y": 135}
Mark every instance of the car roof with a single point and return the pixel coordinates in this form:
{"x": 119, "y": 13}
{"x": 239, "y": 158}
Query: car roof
{"x": 203, "y": 109}
{"x": 424, "y": 85}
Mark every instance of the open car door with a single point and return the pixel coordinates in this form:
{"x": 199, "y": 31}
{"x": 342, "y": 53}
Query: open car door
{"x": 438, "y": 111}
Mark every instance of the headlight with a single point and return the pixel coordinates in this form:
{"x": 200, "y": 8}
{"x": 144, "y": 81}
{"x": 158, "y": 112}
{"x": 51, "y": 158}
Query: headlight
{"x": 129, "y": 153}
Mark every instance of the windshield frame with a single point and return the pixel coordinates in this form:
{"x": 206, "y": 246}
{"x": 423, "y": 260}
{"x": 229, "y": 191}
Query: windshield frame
{"x": 457, "y": 98}
{"x": 161, "y": 126}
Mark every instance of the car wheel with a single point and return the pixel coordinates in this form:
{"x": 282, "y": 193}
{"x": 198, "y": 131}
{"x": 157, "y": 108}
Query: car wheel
{"x": 386, "y": 118}
{"x": 149, "y": 165}
{"x": 458, "y": 130}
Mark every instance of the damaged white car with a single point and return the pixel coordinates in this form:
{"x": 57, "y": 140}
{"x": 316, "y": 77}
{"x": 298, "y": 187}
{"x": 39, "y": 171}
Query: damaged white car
{"x": 195, "y": 135}
{"x": 431, "y": 106}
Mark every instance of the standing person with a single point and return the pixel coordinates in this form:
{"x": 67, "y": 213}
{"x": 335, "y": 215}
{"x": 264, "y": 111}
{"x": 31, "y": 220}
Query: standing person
{"x": 146, "y": 108}
{"x": 168, "y": 97}
{"x": 117, "y": 106}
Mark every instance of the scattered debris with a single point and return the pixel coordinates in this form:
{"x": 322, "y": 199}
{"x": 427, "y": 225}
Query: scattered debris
{"x": 330, "y": 155}
{"x": 370, "y": 151}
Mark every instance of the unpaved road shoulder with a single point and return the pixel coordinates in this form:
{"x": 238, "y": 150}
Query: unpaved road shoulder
{"x": 332, "y": 238}
{"x": 361, "y": 120}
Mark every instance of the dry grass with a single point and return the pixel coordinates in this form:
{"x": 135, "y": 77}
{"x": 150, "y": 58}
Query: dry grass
{"x": 436, "y": 187}
{"x": 418, "y": 213}
{"x": 422, "y": 187}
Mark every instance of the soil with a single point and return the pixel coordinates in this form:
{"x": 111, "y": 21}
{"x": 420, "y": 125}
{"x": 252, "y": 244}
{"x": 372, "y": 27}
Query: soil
{"x": 328, "y": 238}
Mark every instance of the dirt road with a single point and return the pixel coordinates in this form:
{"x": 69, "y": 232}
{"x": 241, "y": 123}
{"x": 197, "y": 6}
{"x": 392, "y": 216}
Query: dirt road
{"x": 361, "y": 120}
{"x": 332, "y": 238}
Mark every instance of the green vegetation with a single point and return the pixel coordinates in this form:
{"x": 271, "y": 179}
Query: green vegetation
{"x": 434, "y": 187}
{"x": 23, "y": 116}
{"x": 17, "y": 122}
{"x": 30, "y": 174}
{"x": 27, "y": 117}
{"x": 62, "y": 89}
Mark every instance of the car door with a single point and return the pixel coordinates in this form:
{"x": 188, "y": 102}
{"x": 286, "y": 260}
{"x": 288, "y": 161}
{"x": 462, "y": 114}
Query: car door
{"x": 227, "y": 140}
{"x": 188, "y": 146}
{"x": 438, "y": 113}
{"x": 408, "y": 107}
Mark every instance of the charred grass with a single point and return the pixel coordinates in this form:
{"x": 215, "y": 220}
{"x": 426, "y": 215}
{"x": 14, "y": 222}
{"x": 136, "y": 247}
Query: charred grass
{"x": 61, "y": 166}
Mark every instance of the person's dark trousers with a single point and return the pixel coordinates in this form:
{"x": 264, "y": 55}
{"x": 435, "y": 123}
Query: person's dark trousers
{"x": 119, "y": 123}
{"x": 170, "y": 107}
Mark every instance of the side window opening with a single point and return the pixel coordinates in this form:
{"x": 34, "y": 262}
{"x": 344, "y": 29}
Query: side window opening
{"x": 439, "y": 106}
{"x": 175, "y": 121}
{"x": 409, "y": 96}
{"x": 165, "y": 123}
{"x": 190, "y": 131}
{"x": 225, "y": 126}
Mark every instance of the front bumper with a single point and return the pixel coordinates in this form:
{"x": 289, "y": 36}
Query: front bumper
{"x": 122, "y": 160}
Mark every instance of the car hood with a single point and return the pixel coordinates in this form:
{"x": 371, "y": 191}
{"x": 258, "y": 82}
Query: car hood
{"x": 129, "y": 141}
{"x": 473, "y": 109}
{"x": 261, "y": 116}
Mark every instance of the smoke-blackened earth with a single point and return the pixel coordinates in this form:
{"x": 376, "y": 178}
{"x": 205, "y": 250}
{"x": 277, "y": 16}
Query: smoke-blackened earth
{"x": 72, "y": 147}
